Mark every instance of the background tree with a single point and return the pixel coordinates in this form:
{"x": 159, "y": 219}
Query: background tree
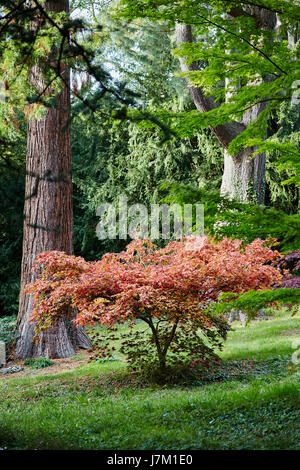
{"x": 120, "y": 158}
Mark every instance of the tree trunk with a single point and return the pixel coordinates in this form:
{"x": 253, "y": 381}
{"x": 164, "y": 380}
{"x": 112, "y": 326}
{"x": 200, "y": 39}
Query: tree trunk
{"x": 244, "y": 176}
{"x": 48, "y": 213}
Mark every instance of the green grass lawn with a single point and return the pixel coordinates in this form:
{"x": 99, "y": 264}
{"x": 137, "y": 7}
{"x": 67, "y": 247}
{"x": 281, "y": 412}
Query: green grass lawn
{"x": 251, "y": 402}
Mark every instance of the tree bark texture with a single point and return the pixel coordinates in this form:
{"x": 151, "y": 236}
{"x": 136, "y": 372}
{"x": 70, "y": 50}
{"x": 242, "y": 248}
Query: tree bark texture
{"x": 243, "y": 176}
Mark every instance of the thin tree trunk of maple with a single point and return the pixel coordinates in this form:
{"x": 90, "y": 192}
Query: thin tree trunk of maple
{"x": 48, "y": 214}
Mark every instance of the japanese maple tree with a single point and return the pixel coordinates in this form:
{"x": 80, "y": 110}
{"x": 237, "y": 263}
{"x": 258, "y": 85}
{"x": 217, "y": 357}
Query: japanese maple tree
{"x": 169, "y": 289}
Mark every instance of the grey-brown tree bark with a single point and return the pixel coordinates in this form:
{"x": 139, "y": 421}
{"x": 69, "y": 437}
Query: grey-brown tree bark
{"x": 243, "y": 176}
{"x": 48, "y": 213}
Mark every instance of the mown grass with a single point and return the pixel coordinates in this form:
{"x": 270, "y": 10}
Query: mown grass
{"x": 251, "y": 402}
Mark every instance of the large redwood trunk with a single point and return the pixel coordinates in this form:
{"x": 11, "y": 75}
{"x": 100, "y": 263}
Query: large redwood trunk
{"x": 48, "y": 214}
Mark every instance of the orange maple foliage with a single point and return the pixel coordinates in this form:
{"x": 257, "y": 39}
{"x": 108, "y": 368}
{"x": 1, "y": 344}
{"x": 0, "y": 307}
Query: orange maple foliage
{"x": 174, "y": 283}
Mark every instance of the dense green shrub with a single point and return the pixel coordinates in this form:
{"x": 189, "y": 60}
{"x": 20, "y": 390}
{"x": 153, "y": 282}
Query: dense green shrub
{"x": 38, "y": 363}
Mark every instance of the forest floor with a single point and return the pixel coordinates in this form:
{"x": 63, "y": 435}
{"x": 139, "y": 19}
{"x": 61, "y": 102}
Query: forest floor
{"x": 251, "y": 402}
